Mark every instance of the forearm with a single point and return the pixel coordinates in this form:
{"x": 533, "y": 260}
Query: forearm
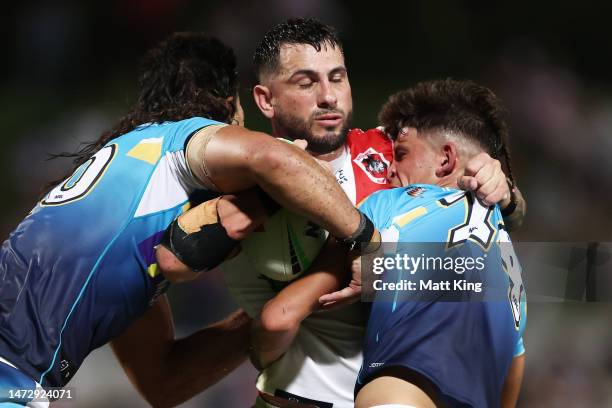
{"x": 198, "y": 361}
{"x": 166, "y": 371}
{"x": 282, "y": 315}
{"x": 297, "y": 182}
{"x": 237, "y": 158}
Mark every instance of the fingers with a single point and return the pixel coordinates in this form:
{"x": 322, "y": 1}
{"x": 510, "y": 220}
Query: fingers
{"x": 347, "y": 293}
{"x": 476, "y": 163}
{"x": 485, "y": 177}
{"x": 467, "y": 183}
{"x": 339, "y": 304}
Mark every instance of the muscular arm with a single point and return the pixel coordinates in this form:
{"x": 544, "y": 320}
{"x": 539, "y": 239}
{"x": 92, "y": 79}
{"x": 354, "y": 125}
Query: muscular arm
{"x": 281, "y": 316}
{"x": 167, "y": 372}
{"x": 237, "y": 158}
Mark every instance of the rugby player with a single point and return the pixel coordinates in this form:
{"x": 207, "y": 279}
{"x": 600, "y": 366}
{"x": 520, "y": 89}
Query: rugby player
{"x": 80, "y": 269}
{"x": 304, "y": 90}
{"x": 435, "y": 352}
{"x": 428, "y": 351}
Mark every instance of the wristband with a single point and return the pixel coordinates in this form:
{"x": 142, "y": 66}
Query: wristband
{"x": 510, "y": 208}
{"x": 202, "y": 250}
{"x": 362, "y": 235}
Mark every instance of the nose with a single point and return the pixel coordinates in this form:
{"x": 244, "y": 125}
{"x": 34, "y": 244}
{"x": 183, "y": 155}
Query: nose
{"x": 327, "y": 97}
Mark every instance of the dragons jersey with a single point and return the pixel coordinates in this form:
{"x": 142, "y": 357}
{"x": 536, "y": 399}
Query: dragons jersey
{"x": 462, "y": 340}
{"x": 362, "y": 167}
{"x": 80, "y": 267}
{"x": 323, "y": 361}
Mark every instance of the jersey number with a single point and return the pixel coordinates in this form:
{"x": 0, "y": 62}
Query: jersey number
{"x": 83, "y": 180}
{"x": 476, "y": 226}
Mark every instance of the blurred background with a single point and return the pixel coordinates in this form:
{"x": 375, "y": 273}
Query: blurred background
{"x": 68, "y": 73}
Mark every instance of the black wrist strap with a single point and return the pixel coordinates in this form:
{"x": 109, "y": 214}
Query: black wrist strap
{"x": 510, "y": 208}
{"x": 363, "y": 233}
{"x": 202, "y": 250}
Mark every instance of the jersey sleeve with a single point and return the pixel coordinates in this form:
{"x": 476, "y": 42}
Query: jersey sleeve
{"x": 377, "y": 208}
{"x": 519, "y": 349}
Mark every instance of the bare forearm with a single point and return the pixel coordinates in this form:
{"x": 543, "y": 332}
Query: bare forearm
{"x": 282, "y": 315}
{"x": 237, "y": 158}
{"x": 297, "y": 182}
{"x": 198, "y": 361}
{"x": 166, "y": 371}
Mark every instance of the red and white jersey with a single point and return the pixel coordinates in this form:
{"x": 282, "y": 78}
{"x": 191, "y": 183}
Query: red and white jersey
{"x": 324, "y": 359}
{"x": 362, "y": 168}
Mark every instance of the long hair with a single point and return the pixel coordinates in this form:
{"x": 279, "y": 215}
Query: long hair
{"x": 187, "y": 75}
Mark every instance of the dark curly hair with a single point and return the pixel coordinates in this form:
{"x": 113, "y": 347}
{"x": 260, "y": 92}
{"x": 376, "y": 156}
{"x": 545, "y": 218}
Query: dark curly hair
{"x": 187, "y": 75}
{"x": 294, "y": 31}
{"x": 458, "y": 106}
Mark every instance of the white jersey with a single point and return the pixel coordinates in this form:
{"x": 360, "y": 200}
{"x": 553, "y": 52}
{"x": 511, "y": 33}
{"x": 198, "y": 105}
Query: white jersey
{"x": 323, "y": 361}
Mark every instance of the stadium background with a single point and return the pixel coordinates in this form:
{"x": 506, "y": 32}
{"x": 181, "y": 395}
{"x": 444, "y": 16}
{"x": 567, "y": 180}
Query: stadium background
{"x": 68, "y": 72}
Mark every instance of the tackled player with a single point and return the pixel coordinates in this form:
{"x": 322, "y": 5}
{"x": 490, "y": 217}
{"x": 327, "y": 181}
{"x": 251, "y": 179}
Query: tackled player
{"x": 304, "y": 90}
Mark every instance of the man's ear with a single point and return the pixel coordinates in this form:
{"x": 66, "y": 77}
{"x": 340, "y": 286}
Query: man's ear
{"x": 263, "y": 100}
{"x": 448, "y": 159}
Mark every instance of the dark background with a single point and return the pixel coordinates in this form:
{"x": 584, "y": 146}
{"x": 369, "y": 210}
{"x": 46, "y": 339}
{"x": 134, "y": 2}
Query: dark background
{"x": 68, "y": 72}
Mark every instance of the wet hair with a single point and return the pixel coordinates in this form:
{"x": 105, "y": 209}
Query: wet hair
{"x": 294, "y": 31}
{"x": 461, "y": 107}
{"x": 187, "y": 75}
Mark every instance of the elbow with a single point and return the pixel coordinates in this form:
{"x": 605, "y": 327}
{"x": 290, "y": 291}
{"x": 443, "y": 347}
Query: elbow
{"x": 273, "y": 158}
{"x": 279, "y": 319}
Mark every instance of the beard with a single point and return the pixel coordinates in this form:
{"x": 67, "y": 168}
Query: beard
{"x": 292, "y": 127}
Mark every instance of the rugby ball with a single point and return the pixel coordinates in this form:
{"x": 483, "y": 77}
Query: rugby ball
{"x": 284, "y": 247}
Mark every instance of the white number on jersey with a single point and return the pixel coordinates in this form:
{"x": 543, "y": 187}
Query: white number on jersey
{"x": 83, "y": 180}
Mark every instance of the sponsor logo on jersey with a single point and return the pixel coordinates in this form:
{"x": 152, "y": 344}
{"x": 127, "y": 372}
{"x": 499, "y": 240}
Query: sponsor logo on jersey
{"x": 373, "y": 164}
{"x": 415, "y": 191}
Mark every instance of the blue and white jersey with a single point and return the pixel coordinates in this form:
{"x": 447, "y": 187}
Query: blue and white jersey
{"x": 81, "y": 266}
{"x": 464, "y": 344}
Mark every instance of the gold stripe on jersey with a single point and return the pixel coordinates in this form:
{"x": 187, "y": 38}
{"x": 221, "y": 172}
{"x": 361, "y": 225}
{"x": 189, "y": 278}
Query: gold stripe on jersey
{"x": 148, "y": 150}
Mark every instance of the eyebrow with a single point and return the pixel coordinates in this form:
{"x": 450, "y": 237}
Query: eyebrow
{"x": 311, "y": 72}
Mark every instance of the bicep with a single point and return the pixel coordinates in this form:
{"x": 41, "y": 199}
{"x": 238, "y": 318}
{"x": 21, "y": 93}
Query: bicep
{"x": 223, "y": 156}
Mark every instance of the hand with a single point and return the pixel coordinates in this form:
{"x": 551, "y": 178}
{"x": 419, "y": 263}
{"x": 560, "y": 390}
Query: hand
{"x": 241, "y": 214}
{"x": 484, "y": 176}
{"x": 349, "y": 294}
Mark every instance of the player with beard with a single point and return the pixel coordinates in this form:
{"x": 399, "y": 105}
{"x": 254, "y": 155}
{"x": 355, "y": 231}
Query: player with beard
{"x": 304, "y": 90}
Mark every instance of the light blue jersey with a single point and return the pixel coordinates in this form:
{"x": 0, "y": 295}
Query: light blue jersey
{"x": 463, "y": 341}
{"x": 81, "y": 266}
